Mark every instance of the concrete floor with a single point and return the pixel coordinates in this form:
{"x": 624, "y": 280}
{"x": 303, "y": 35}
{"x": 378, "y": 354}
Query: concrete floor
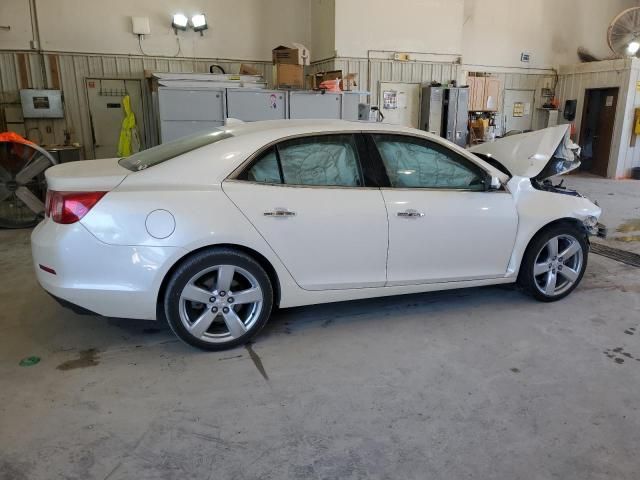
{"x": 480, "y": 383}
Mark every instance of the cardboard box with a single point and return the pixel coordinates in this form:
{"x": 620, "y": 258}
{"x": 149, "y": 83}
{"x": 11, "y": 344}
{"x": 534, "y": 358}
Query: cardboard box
{"x": 314, "y": 80}
{"x": 349, "y": 81}
{"x": 248, "y": 69}
{"x": 288, "y": 76}
{"x": 297, "y": 54}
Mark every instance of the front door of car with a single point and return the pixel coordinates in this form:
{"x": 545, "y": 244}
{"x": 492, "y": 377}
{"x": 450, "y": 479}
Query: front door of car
{"x": 443, "y": 224}
{"x": 306, "y": 197}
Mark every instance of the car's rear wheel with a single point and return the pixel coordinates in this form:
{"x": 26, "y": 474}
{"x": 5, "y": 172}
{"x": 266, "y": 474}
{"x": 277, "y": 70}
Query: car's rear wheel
{"x": 218, "y": 299}
{"x": 554, "y": 263}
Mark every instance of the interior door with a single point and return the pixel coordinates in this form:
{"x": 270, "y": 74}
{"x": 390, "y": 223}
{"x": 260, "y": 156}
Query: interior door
{"x": 443, "y": 225}
{"x": 518, "y": 110}
{"x": 597, "y": 129}
{"x": 307, "y": 198}
{"x": 106, "y": 112}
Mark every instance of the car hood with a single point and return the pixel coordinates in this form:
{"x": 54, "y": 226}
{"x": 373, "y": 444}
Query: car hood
{"x": 541, "y": 154}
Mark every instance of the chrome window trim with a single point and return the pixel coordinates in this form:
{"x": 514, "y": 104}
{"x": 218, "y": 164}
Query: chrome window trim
{"x": 286, "y": 185}
{"x": 232, "y": 177}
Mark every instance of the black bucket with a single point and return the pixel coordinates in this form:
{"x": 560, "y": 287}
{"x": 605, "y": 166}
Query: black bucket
{"x": 635, "y": 173}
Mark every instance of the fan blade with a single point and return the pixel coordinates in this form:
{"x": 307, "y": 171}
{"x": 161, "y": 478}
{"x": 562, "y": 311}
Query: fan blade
{"x": 4, "y": 193}
{"x": 4, "y": 175}
{"x": 36, "y": 167}
{"x": 30, "y": 200}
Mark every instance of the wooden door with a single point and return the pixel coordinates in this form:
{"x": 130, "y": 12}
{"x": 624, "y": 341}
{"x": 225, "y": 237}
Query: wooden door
{"x": 596, "y": 130}
{"x": 476, "y": 93}
{"x": 491, "y": 94}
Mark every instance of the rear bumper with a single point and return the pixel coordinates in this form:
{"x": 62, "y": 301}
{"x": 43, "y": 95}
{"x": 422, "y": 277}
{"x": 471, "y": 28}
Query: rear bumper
{"x": 110, "y": 280}
{"x": 72, "y": 306}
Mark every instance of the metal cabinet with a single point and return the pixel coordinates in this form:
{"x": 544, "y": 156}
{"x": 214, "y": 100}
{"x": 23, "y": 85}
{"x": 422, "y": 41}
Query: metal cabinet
{"x": 315, "y": 105}
{"x": 456, "y": 102}
{"x": 350, "y": 106}
{"x": 187, "y": 111}
{"x": 251, "y": 105}
{"x": 431, "y": 109}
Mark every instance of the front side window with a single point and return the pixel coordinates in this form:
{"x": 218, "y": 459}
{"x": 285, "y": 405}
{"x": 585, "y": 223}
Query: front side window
{"x": 320, "y": 160}
{"x": 416, "y": 163}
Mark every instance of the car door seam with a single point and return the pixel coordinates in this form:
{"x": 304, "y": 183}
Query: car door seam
{"x": 261, "y": 236}
{"x": 386, "y": 263}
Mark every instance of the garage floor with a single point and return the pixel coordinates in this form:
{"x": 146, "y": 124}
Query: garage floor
{"x": 482, "y": 383}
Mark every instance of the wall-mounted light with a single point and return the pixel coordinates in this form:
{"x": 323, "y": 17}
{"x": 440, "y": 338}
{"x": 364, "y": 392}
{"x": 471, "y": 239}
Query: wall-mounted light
{"x": 180, "y": 22}
{"x": 199, "y": 22}
{"x": 633, "y": 47}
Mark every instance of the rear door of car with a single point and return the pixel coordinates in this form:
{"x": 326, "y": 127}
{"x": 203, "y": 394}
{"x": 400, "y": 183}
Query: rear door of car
{"x": 444, "y": 224}
{"x": 308, "y": 197}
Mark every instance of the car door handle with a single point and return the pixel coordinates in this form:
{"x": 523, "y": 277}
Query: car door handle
{"x": 410, "y": 214}
{"x": 280, "y": 212}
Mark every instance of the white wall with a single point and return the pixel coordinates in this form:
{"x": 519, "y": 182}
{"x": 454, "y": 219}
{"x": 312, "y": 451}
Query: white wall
{"x": 485, "y": 32}
{"x": 15, "y": 13}
{"x": 323, "y": 29}
{"x": 496, "y": 32}
{"x": 400, "y": 25}
{"x": 239, "y": 29}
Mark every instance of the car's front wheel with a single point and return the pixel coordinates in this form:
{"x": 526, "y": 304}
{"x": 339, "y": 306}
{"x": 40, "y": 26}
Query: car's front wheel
{"x": 554, "y": 263}
{"x": 218, "y": 299}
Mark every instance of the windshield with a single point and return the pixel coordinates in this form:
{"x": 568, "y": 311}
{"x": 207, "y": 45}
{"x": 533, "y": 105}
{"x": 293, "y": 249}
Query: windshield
{"x": 167, "y": 151}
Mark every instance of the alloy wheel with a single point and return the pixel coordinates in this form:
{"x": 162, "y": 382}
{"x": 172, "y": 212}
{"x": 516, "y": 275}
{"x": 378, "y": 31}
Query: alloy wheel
{"x": 221, "y": 303}
{"x": 558, "y": 265}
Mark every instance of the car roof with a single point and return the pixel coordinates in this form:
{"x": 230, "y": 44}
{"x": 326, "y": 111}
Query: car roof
{"x": 238, "y": 128}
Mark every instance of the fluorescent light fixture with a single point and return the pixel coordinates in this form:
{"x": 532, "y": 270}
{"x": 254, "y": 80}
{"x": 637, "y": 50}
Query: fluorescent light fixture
{"x": 180, "y": 22}
{"x": 633, "y": 47}
{"x": 199, "y": 22}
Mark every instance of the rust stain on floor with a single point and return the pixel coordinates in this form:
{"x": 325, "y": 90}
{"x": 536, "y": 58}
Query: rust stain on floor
{"x": 86, "y": 358}
{"x": 629, "y": 226}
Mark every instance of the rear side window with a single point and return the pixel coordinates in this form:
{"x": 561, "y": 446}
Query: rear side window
{"x": 266, "y": 169}
{"x": 321, "y": 160}
{"x": 167, "y": 151}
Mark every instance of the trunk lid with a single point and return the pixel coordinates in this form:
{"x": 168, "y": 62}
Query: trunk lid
{"x": 541, "y": 154}
{"x": 87, "y": 175}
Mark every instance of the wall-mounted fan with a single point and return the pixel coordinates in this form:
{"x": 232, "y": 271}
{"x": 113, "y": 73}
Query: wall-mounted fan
{"x": 623, "y": 34}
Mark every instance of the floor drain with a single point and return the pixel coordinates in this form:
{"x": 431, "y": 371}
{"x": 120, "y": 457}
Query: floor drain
{"x": 629, "y": 258}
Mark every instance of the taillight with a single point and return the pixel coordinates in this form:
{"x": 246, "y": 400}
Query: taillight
{"x": 69, "y": 207}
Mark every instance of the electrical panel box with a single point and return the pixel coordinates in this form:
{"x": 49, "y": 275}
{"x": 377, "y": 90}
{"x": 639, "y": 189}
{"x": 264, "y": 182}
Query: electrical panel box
{"x": 41, "y": 103}
{"x": 140, "y": 25}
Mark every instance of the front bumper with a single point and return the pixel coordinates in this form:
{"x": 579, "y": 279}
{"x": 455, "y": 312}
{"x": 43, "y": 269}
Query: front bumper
{"x": 598, "y": 230}
{"x": 110, "y": 280}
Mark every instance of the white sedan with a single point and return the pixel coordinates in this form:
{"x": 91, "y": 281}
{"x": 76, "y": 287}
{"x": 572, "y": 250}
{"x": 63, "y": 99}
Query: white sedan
{"x": 214, "y": 230}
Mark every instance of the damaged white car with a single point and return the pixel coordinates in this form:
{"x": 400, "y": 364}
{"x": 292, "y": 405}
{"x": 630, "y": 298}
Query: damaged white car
{"x": 213, "y": 231}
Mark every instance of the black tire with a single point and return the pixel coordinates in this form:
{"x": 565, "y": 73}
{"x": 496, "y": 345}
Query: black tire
{"x": 526, "y": 278}
{"x": 200, "y": 262}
